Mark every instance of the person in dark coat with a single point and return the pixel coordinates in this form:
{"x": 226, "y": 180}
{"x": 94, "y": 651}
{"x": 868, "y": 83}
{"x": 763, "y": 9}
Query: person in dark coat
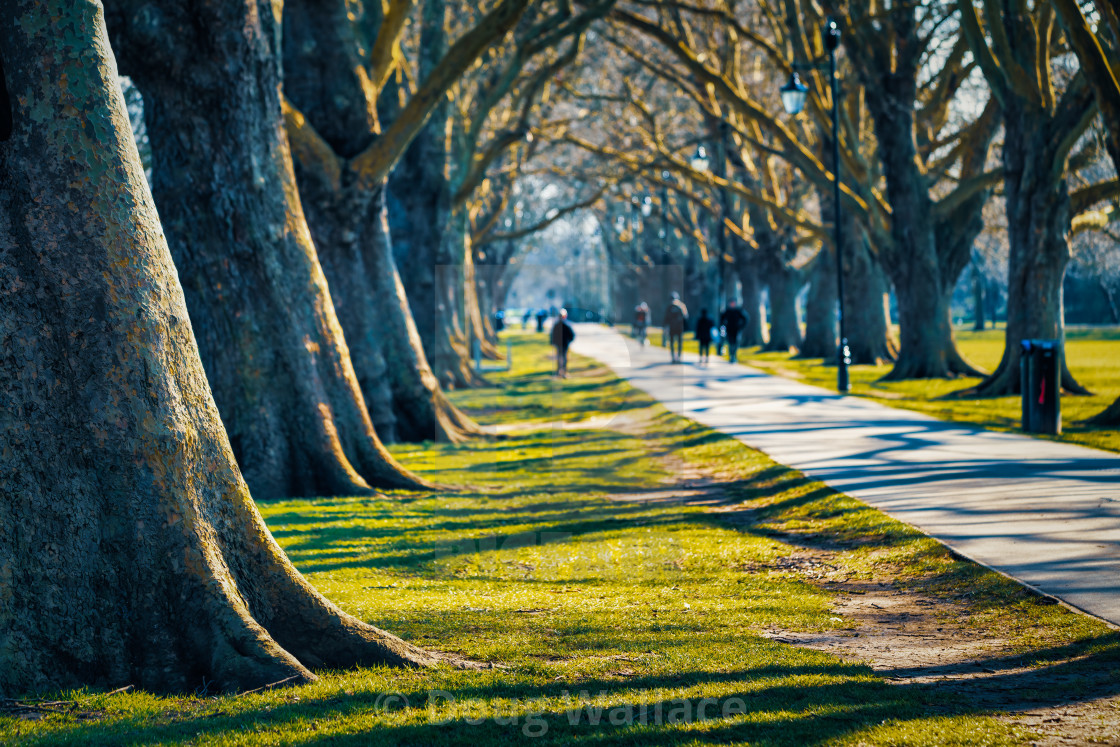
{"x": 734, "y": 321}
{"x": 641, "y": 319}
{"x": 562, "y": 336}
{"x": 676, "y": 317}
{"x": 704, "y": 327}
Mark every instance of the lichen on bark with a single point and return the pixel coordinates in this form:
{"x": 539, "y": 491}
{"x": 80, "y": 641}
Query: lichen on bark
{"x": 274, "y": 350}
{"x": 130, "y": 549}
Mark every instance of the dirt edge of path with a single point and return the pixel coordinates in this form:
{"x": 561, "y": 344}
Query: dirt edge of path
{"x": 914, "y": 639}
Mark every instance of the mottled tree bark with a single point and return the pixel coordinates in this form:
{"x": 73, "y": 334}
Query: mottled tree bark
{"x": 130, "y": 549}
{"x": 820, "y": 308}
{"x": 915, "y": 258}
{"x": 423, "y": 410}
{"x": 222, "y": 176}
{"x": 866, "y": 301}
{"x": 871, "y": 340}
{"x": 473, "y": 312}
{"x": 421, "y": 186}
{"x": 753, "y": 333}
{"x": 419, "y": 208}
{"x": 979, "y": 311}
{"x": 1106, "y": 91}
{"x": 784, "y": 283}
{"x": 922, "y": 283}
{"x": 336, "y": 120}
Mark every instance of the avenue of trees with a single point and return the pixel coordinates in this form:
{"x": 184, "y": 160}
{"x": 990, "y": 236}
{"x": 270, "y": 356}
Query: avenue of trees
{"x": 334, "y": 195}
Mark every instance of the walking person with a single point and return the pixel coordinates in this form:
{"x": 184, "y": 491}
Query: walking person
{"x": 562, "y": 336}
{"x": 676, "y": 317}
{"x": 734, "y": 321}
{"x": 704, "y": 327}
{"x": 641, "y": 319}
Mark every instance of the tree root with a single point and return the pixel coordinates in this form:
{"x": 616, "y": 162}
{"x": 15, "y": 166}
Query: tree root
{"x": 1110, "y": 416}
{"x": 1005, "y": 381}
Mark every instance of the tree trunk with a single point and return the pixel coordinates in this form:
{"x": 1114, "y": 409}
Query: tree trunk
{"x": 867, "y": 304}
{"x": 1038, "y": 225}
{"x": 912, "y": 254}
{"x": 784, "y": 282}
{"x": 222, "y": 176}
{"x": 474, "y": 312}
{"x": 1110, "y": 416}
{"x": 866, "y": 301}
{"x": 421, "y": 186}
{"x": 419, "y": 210}
{"x": 926, "y": 346}
{"x": 453, "y": 320}
{"x": 752, "y": 334}
{"x": 979, "y": 322}
{"x": 925, "y": 349}
{"x": 820, "y": 308}
{"x": 428, "y": 242}
{"x": 323, "y": 77}
{"x": 340, "y": 222}
{"x": 432, "y": 236}
{"x": 483, "y": 275}
{"x": 130, "y": 549}
{"x": 323, "y": 81}
{"x": 423, "y": 410}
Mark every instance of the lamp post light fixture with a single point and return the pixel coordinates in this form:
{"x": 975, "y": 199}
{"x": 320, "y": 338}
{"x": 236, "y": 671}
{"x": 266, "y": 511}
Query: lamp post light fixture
{"x": 793, "y": 96}
{"x": 700, "y": 162}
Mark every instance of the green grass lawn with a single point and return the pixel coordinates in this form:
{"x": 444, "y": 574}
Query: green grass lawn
{"x": 1093, "y": 354}
{"x": 607, "y": 621}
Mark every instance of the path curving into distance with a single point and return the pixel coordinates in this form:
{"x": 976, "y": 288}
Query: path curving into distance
{"x": 1043, "y": 512}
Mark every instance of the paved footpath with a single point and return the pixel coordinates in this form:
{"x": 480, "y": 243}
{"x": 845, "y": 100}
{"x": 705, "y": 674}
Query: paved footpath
{"x": 1043, "y": 512}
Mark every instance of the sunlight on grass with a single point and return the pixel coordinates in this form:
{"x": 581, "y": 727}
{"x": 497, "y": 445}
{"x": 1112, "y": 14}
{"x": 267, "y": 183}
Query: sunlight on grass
{"x": 607, "y": 621}
{"x": 1093, "y": 355}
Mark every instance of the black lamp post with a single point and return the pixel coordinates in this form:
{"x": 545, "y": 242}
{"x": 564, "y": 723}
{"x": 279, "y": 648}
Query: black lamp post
{"x": 666, "y": 258}
{"x": 646, "y": 210}
{"x": 665, "y": 176}
{"x": 635, "y": 224}
{"x": 701, "y": 163}
{"x": 793, "y": 99}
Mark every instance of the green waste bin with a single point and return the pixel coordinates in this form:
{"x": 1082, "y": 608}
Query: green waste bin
{"x": 1040, "y": 371}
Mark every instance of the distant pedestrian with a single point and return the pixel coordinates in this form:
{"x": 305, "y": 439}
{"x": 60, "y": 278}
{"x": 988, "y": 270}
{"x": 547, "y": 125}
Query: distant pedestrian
{"x": 676, "y": 317}
{"x": 562, "y": 336}
{"x": 734, "y": 321}
{"x": 525, "y": 319}
{"x": 704, "y": 327}
{"x": 641, "y": 319}
{"x": 542, "y": 315}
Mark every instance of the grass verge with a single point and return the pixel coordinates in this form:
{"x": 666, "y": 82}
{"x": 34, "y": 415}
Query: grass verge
{"x": 1093, "y": 355}
{"x": 612, "y": 613}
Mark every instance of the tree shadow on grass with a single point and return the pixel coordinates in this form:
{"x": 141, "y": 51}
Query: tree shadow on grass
{"x": 790, "y": 703}
{"x": 462, "y": 538}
